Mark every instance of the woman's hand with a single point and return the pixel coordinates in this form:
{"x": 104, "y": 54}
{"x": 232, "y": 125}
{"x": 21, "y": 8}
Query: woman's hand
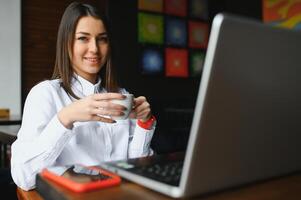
{"x": 92, "y": 108}
{"x": 141, "y": 109}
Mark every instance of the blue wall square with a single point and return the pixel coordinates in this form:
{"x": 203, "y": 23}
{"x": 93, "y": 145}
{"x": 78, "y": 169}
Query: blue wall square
{"x": 152, "y": 60}
{"x": 176, "y": 32}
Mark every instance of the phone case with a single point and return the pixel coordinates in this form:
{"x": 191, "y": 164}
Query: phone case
{"x": 83, "y": 187}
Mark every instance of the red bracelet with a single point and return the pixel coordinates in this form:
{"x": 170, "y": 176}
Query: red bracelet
{"x": 148, "y": 124}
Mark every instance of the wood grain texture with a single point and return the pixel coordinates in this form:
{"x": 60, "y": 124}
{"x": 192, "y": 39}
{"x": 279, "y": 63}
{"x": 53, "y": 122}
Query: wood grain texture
{"x": 287, "y": 187}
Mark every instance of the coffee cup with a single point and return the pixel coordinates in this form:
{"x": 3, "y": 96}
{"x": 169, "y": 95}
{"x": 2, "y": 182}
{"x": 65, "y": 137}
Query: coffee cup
{"x": 126, "y": 102}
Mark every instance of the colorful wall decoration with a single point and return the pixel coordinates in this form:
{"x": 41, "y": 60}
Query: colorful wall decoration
{"x": 152, "y": 60}
{"x": 173, "y": 37}
{"x": 282, "y": 13}
{"x": 150, "y": 28}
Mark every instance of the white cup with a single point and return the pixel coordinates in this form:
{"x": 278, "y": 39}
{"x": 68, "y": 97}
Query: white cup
{"x": 126, "y": 102}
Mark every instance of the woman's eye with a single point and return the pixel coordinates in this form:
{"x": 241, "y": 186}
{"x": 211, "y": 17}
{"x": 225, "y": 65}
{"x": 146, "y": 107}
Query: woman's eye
{"x": 103, "y": 39}
{"x": 82, "y": 38}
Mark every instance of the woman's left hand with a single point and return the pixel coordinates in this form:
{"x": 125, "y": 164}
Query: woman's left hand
{"x": 141, "y": 109}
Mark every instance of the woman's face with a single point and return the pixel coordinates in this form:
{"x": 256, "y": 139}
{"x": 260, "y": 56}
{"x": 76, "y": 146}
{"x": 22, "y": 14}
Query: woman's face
{"x": 90, "y": 48}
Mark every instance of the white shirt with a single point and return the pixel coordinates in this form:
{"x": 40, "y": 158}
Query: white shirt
{"x": 43, "y": 141}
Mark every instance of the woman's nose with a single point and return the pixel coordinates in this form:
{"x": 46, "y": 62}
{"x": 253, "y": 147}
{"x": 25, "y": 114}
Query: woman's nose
{"x": 93, "y": 46}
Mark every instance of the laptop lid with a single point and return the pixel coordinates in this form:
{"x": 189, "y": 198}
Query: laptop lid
{"x": 245, "y": 124}
{"x": 246, "y": 121}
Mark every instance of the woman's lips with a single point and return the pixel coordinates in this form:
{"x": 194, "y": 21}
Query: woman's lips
{"x": 94, "y": 60}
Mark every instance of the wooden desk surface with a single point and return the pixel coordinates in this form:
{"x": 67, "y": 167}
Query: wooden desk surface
{"x": 30, "y": 195}
{"x": 277, "y": 189}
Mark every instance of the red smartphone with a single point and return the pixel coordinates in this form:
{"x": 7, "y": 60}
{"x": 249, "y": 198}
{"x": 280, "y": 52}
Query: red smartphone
{"x": 79, "y": 178}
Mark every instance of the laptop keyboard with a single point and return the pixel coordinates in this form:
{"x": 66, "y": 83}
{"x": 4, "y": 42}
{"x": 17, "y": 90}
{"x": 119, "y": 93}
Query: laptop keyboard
{"x": 169, "y": 173}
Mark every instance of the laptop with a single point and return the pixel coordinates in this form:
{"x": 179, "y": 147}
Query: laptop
{"x": 245, "y": 125}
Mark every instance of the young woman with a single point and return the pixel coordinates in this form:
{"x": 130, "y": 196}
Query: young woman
{"x": 62, "y": 119}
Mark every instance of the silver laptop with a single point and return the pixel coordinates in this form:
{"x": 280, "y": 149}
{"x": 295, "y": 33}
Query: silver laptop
{"x": 246, "y": 123}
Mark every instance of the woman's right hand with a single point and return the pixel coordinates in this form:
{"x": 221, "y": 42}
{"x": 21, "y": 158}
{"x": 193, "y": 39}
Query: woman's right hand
{"x": 92, "y": 108}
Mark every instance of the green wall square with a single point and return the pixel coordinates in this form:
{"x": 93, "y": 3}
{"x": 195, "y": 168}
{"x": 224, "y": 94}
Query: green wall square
{"x": 150, "y": 28}
{"x": 196, "y": 63}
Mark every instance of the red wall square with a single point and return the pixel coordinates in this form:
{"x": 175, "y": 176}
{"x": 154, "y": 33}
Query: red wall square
{"x": 198, "y": 34}
{"x": 176, "y": 7}
{"x": 176, "y": 62}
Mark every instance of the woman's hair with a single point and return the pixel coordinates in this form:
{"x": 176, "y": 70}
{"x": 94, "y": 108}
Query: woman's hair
{"x": 65, "y": 39}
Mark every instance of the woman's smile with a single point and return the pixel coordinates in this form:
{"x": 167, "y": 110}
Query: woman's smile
{"x": 93, "y": 60}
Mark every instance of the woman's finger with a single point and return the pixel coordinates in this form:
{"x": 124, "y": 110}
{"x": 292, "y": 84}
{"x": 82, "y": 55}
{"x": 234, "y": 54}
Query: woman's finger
{"x": 143, "y": 114}
{"x": 139, "y": 100}
{"x": 141, "y": 107}
{"x": 103, "y": 119}
{"x": 107, "y": 96}
{"x": 100, "y": 111}
{"x": 108, "y": 105}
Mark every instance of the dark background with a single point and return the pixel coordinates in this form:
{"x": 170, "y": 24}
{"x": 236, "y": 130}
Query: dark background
{"x": 123, "y": 16}
{"x": 172, "y": 99}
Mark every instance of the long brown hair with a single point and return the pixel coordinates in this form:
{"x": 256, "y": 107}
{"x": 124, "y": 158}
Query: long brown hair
{"x": 63, "y": 68}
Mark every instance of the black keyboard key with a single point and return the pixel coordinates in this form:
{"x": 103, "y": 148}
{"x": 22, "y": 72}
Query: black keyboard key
{"x": 169, "y": 173}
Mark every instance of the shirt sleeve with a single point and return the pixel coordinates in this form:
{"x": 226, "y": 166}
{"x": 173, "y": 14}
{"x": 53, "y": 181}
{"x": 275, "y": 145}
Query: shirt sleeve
{"x": 140, "y": 140}
{"x": 41, "y": 137}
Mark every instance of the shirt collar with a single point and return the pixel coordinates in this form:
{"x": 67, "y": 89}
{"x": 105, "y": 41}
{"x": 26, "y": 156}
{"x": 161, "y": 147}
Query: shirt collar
{"x": 83, "y": 87}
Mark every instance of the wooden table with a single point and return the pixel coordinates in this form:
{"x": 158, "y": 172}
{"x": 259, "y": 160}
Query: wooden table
{"x": 28, "y": 195}
{"x": 288, "y": 187}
